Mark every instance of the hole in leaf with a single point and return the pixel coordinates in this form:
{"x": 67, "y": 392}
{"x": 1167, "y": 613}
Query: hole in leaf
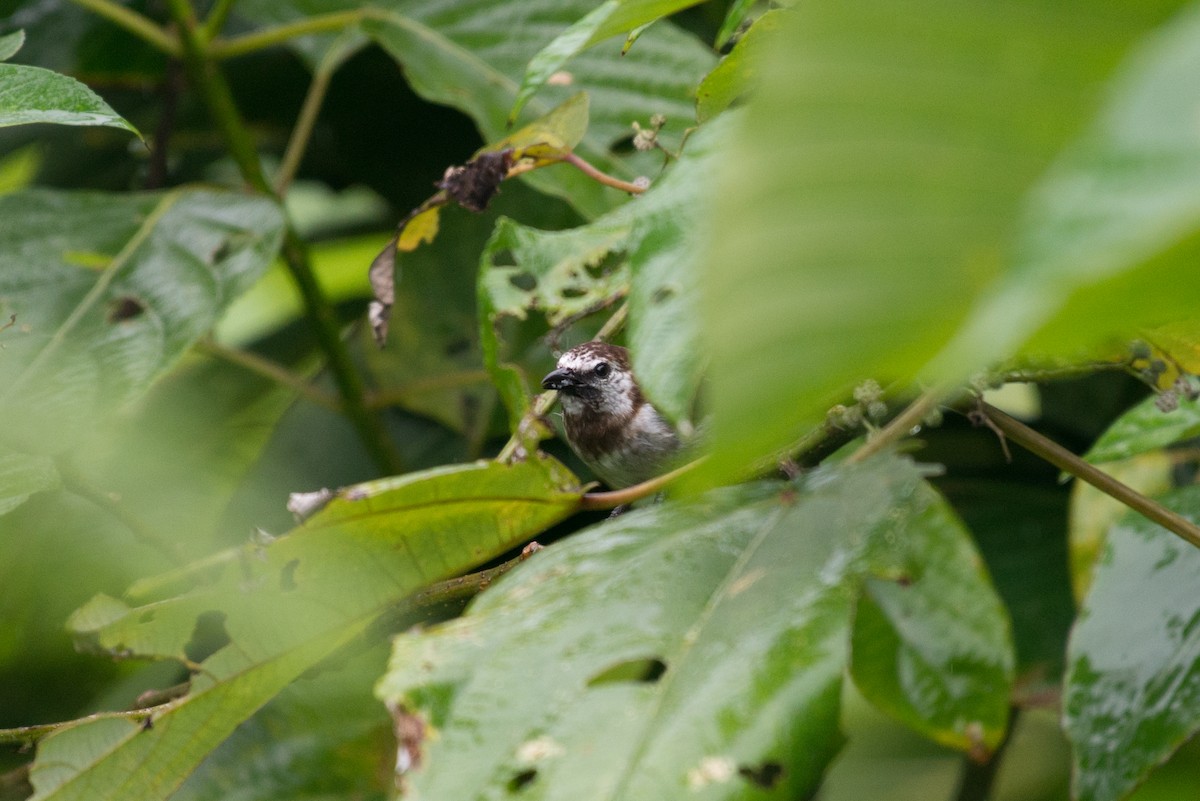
{"x": 641, "y": 671}
{"x": 287, "y": 576}
{"x": 523, "y": 281}
{"x": 208, "y": 636}
{"x": 573, "y": 292}
{"x": 522, "y": 780}
{"x": 504, "y": 258}
{"x": 766, "y": 775}
{"x": 126, "y": 308}
{"x": 662, "y": 294}
{"x": 457, "y": 347}
{"x": 602, "y": 267}
{"x": 623, "y": 146}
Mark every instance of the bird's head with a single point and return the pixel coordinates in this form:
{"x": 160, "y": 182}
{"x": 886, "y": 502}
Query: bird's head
{"x": 595, "y": 378}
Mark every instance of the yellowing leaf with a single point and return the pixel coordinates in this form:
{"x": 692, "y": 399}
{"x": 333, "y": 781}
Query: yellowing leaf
{"x": 421, "y": 228}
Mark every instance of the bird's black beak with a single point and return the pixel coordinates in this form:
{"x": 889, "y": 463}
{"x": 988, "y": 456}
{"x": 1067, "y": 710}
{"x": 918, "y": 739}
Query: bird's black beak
{"x": 560, "y": 380}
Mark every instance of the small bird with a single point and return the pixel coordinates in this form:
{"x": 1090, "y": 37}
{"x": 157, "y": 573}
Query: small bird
{"x": 608, "y": 422}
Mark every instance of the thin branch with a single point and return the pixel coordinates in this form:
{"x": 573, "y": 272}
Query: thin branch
{"x": 215, "y": 20}
{"x": 309, "y": 111}
{"x": 470, "y": 585}
{"x": 215, "y": 89}
{"x": 137, "y": 24}
{"x": 593, "y": 501}
{"x": 268, "y": 369}
{"x": 271, "y": 37}
{"x": 1068, "y": 462}
{"x": 899, "y": 426}
{"x": 604, "y": 178}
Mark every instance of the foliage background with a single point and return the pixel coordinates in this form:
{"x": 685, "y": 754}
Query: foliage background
{"x": 972, "y": 185}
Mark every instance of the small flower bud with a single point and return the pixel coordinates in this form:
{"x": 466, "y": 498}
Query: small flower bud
{"x": 644, "y": 138}
{"x": 868, "y": 391}
{"x": 877, "y": 410}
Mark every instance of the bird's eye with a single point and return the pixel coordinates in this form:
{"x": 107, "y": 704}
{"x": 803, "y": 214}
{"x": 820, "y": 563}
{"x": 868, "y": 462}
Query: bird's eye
{"x": 601, "y": 370}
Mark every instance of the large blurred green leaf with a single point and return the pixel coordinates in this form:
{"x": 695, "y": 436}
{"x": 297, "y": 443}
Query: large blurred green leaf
{"x": 21, "y": 475}
{"x": 691, "y": 649}
{"x": 1109, "y": 235}
{"x": 274, "y": 611}
{"x": 108, "y": 292}
{"x": 33, "y": 94}
{"x": 1133, "y": 687}
{"x": 932, "y": 646}
{"x": 877, "y": 183}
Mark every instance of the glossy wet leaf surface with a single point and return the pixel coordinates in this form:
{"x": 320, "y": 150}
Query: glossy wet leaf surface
{"x": 1133, "y": 687}
{"x": 932, "y": 644}
{"x": 688, "y": 649}
{"x": 1146, "y": 428}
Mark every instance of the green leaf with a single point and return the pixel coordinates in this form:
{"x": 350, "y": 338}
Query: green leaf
{"x": 272, "y": 612}
{"x": 10, "y": 43}
{"x": 1094, "y": 512}
{"x": 111, "y": 757}
{"x": 109, "y": 292}
{"x": 551, "y": 136}
{"x": 22, "y": 475}
{"x": 734, "y": 17}
{"x": 609, "y": 19}
{"x": 324, "y": 737}
{"x": 739, "y": 71}
{"x": 1110, "y": 233}
{"x": 875, "y": 187}
{"x": 451, "y": 55}
{"x": 1132, "y": 692}
{"x": 932, "y": 645}
{"x": 696, "y": 649}
{"x": 33, "y": 94}
{"x": 1146, "y": 428}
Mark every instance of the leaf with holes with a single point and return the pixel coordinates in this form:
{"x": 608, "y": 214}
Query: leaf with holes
{"x": 252, "y": 620}
{"x": 110, "y": 302}
{"x": 696, "y": 649}
{"x": 1132, "y": 694}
